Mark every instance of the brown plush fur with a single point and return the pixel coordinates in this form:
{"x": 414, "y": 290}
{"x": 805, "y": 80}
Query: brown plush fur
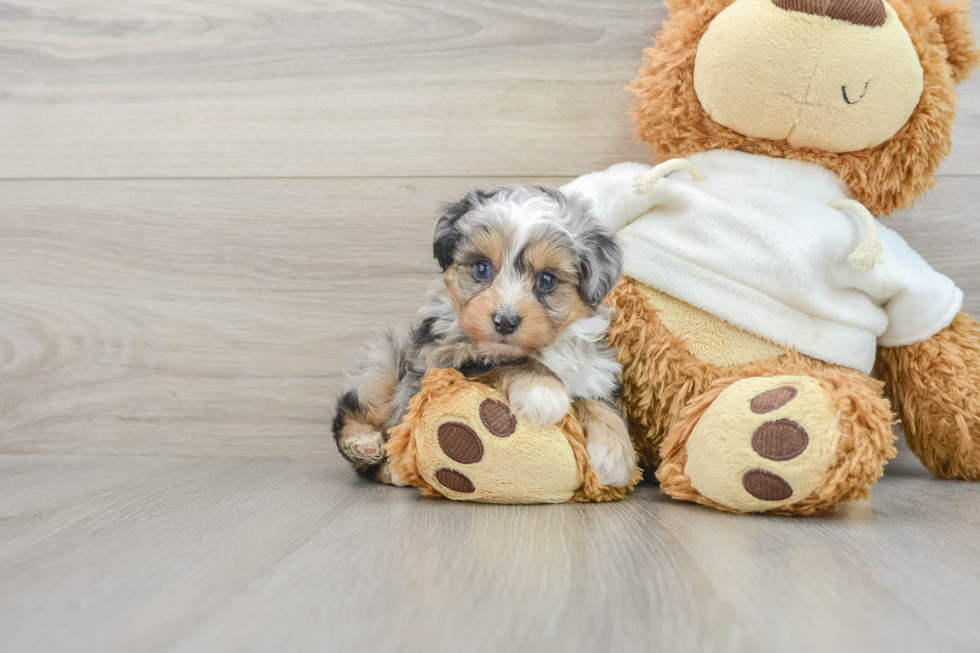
{"x": 935, "y": 385}
{"x": 935, "y": 388}
{"x": 439, "y": 384}
{"x": 672, "y": 122}
{"x": 666, "y": 391}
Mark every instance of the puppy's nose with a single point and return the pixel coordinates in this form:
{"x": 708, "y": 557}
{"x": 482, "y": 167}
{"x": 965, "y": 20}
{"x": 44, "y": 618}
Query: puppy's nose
{"x": 506, "y": 323}
{"x": 870, "y": 13}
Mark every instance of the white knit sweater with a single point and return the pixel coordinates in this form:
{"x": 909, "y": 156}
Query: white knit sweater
{"x": 757, "y": 244}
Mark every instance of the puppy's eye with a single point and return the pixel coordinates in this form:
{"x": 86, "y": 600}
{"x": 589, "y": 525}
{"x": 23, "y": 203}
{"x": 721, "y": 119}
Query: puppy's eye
{"x": 546, "y": 282}
{"x": 482, "y": 271}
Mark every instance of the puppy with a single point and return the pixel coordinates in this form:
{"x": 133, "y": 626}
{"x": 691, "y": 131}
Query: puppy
{"x": 519, "y": 308}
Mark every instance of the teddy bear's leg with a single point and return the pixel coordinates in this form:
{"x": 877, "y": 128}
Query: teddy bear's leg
{"x": 935, "y": 387}
{"x": 791, "y": 443}
{"x": 660, "y": 375}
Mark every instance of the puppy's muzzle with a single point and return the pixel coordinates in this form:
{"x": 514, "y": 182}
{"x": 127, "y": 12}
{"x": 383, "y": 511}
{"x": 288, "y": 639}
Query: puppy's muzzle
{"x": 506, "y": 323}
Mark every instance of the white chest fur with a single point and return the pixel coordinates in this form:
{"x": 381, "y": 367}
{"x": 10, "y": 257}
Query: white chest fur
{"x": 586, "y": 366}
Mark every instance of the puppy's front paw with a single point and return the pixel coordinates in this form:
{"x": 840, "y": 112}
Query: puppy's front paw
{"x": 610, "y": 454}
{"x": 540, "y": 399}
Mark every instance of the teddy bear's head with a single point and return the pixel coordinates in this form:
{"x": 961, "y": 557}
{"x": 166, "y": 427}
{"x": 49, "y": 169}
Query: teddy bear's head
{"x": 863, "y": 87}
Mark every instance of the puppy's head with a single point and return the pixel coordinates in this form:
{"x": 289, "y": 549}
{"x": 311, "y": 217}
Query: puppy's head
{"x": 522, "y": 264}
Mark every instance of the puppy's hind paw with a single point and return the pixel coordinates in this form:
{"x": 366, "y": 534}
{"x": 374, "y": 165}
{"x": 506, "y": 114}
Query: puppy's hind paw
{"x": 386, "y": 475}
{"x": 611, "y": 455}
{"x": 364, "y": 448}
{"x": 541, "y": 401}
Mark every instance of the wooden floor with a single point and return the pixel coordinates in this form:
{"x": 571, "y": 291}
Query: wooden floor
{"x": 155, "y": 553}
{"x": 205, "y": 205}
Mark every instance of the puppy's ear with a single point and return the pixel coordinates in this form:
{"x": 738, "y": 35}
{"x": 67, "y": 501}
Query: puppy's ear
{"x": 600, "y": 257}
{"x": 448, "y": 233}
{"x": 601, "y": 268}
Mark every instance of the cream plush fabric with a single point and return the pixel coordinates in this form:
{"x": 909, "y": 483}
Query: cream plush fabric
{"x": 720, "y": 450}
{"x": 756, "y": 244}
{"x": 825, "y": 84}
{"x": 459, "y": 440}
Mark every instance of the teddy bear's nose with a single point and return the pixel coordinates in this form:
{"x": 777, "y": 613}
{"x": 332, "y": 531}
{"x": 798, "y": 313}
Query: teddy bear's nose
{"x": 870, "y": 13}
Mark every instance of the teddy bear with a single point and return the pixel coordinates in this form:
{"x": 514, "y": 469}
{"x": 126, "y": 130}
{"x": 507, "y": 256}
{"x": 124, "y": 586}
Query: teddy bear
{"x": 770, "y": 327}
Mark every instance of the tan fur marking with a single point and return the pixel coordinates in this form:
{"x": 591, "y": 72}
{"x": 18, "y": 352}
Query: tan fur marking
{"x": 537, "y": 330}
{"x": 374, "y": 395}
{"x": 590, "y": 411}
{"x": 451, "y": 280}
{"x": 489, "y": 244}
{"x": 354, "y": 428}
{"x": 547, "y": 255}
{"x": 576, "y": 310}
{"x": 477, "y": 315}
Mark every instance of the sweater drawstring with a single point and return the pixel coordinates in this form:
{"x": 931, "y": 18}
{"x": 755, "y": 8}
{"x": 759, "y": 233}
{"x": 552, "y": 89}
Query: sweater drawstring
{"x": 870, "y": 252}
{"x": 646, "y": 182}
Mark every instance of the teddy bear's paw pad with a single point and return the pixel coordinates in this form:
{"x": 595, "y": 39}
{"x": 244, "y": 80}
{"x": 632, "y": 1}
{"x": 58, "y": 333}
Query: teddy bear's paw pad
{"x": 460, "y": 443}
{"x": 764, "y": 443}
{"x": 766, "y": 485}
{"x": 498, "y": 419}
{"x": 771, "y": 400}
{"x": 780, "y": 440}
{"x": 455, "y": 481}
{"x": 477, "y": 449}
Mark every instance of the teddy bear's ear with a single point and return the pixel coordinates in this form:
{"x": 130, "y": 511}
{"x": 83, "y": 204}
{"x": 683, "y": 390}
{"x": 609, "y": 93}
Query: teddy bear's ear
{"x": 675, "y": 7}
{"x": 961, "y": 45}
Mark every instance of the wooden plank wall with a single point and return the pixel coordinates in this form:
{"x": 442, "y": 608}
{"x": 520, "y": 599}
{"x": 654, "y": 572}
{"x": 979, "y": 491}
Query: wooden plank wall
{"x": 205, "y": 205}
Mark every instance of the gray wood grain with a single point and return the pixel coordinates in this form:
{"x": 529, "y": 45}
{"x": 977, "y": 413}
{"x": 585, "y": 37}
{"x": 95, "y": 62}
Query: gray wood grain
{"x": 196, "y": 554}
{"x": 213, "y": 317}
{"x": 199, "y": 317}
{"x": 163, "y": 88}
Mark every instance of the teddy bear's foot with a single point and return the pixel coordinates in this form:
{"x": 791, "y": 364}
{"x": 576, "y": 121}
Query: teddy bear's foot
{"x": 764, "y": 443}
{"x": 483, "y": 457}
{"x": 460, "y": 440}
{"x": 476, "y": 449}
{"x": 788, "y": 444}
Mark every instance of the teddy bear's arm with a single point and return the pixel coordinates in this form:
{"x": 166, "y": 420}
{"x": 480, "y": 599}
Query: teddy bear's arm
{"x": 611, "y": 194}
{"x": 934, "y": 386}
